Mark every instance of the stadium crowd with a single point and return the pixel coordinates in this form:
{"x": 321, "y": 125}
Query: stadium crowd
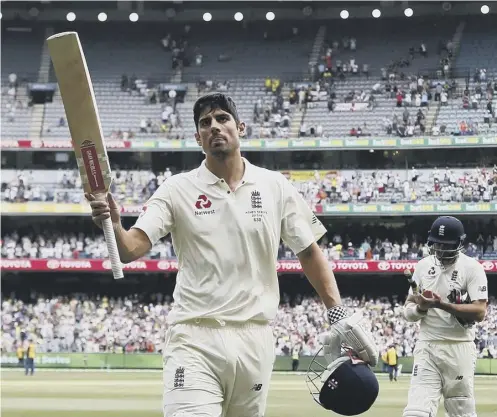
{"x": 81, "y": 246}
{"x": 80, "y": 323}
{"x": 472, "y": 185}
{"x": 436, "y": 185}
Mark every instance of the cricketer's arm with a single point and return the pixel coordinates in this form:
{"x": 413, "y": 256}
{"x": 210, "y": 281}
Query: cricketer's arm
{"x": 478, "y": 293}
{"x": 300, "y": 229}
{"x": 155, "y": 221}
{"x": 470, "y": 312}
{"x": 412, "y": 312}
{"x": 132, "y": 244}
{"x": 318, "y": 272}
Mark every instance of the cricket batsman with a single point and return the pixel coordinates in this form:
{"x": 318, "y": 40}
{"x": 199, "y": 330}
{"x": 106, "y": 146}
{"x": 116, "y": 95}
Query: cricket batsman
{"x": 451, "y": 295}
{"x": 226, "y": 219}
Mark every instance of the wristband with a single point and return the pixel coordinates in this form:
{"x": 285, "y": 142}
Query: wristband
{"x": 336, "y": 313}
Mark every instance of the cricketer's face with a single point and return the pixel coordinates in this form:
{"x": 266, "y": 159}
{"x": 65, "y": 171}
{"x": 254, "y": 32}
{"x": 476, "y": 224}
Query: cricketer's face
{"x": 445, "y": 253}
{"x": 218, "y": 133}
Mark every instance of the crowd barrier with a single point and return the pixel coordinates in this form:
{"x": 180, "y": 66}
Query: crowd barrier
{"x": 154, "y": 361}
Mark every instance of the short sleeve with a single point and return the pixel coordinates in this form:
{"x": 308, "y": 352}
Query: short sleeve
{"x": 299, "y": 225}
{"x": 156, "y": 218}
{"x": 478, "y": 283}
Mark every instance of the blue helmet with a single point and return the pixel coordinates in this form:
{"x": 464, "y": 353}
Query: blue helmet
{"x": 347, "y": 386}
{"x": 446, "y": 239}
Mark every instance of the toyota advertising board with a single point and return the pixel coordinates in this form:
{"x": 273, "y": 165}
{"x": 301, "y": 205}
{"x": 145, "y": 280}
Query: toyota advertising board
{"x": 171, "y": 265}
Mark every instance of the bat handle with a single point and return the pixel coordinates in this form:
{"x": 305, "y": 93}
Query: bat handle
{"x": 110, "y": 238}
{"x": 412, "y": 283}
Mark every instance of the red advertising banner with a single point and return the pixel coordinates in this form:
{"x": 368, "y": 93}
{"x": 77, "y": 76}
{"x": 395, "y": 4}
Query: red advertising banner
{"x": 62, "y": 145}
{"x": 153, "y": 265}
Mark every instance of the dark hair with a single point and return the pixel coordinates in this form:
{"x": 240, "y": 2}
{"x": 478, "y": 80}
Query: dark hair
{"x": 215, "y": 101}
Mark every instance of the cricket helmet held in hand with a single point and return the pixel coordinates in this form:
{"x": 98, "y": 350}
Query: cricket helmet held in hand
{"x": 347, "y": 386}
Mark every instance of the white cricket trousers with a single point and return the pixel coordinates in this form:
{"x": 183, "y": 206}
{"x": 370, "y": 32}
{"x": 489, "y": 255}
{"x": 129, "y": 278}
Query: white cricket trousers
{"x": 442, "y": 369}
{"x": 217, "y": 369}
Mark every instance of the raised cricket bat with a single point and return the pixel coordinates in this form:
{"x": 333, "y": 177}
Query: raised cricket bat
{"x": 84, "y": 124}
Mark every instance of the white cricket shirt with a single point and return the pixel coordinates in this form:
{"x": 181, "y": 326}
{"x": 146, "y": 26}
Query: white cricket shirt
{"x": 227, "y": 242}
{"x": 465, "y": 274}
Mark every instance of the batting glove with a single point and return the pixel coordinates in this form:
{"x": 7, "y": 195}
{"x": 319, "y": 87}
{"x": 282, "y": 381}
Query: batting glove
{"x": 350, "y": 332}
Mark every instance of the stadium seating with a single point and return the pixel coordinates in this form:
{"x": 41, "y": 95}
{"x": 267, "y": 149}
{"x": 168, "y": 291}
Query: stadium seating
{"x": 245, "y": 93}
{"x": 136, "y": 52}
{"x": 140, "y": 52}
{"x": 120, "y": 111}
{"x": 478, "y": 48}
{"x": 134, "y": 187}
{"x": 382, "y": 41}
{"x": 247, "y": 54}
{"x": 80, "y": 323}
{"x": 21, "y": 52}
{"x": 365, "y": 244}
{"x": 251, "y": 53}
{"x": 370, "y": 120}
{"x": 453, "y": 114}
{"x": 477, "y": 51}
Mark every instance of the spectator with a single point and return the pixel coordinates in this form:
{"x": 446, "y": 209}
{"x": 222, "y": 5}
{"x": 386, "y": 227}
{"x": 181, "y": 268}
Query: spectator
{"x": 303, "y": 129}
{"x": 399, "y": 99}
{"x": 443, "y": 98}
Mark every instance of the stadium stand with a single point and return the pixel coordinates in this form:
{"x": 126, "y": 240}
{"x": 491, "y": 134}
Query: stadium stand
{"x": 350, "y": 99}
{"x": 21, "y": 53}
{"x": 122, "y": 71}
{"x": 361, "y": 186}
{"x": 253, "y": 50}
{"x": 476, "y": 63}
{"x": 127, "y": 73}
{"x": 358, "y": 243}
{"x": 127, "y": 107}
{"x": 478, "y": 49}
{"x": 80, "y": 323}
{"x": 380, "y": 43}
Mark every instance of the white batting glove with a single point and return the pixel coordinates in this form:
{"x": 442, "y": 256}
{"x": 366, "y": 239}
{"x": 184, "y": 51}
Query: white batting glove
{"x": 352, "y": 332}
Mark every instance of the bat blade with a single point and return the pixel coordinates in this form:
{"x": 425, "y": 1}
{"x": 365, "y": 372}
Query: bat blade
{"x": 77, "y": 94}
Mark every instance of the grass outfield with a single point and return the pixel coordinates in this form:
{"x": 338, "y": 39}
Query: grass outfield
{"x": 133, "y": 394}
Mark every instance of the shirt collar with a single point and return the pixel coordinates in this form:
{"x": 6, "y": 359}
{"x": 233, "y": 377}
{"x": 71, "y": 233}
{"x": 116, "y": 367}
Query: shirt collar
{"x": 209, "y": 178}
